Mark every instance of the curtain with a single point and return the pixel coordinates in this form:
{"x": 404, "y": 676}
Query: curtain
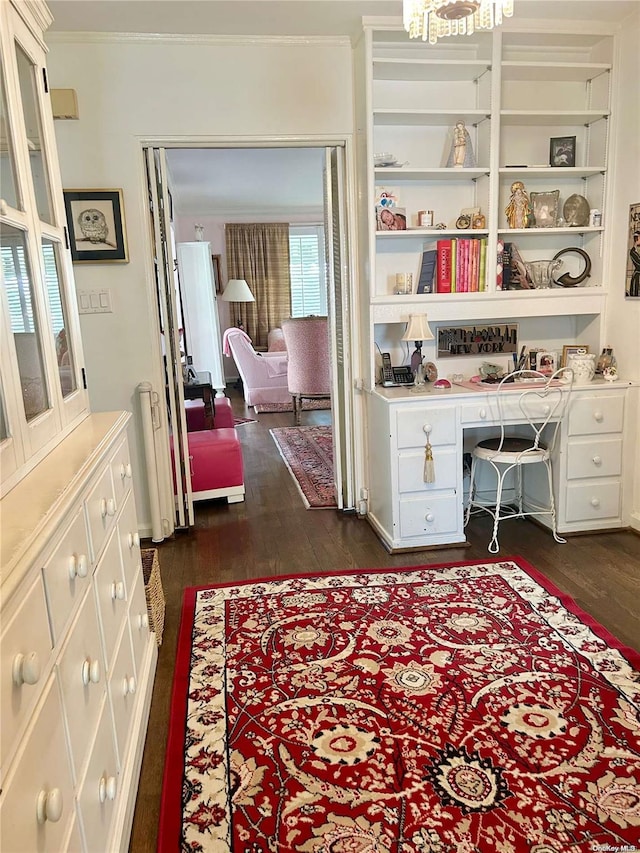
{"x": 259, "y": 253}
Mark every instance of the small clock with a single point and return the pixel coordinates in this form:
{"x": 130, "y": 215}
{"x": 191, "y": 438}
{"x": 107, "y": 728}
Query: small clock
{"x": 430, "y": 371}
{"x": 463, "y": 222}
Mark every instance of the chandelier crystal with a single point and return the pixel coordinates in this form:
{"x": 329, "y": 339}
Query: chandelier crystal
{"x": 434, "y": 19}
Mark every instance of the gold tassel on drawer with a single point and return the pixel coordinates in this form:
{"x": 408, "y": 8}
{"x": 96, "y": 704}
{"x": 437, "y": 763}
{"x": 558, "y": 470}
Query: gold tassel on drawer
{"x": 429, "y": 475}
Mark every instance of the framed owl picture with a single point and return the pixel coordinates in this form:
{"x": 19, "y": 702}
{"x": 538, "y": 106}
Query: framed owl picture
{"x": 95, "y": 219}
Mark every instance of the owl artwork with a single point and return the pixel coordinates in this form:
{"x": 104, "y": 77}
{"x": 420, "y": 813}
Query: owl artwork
{"x": 93, "y": 225}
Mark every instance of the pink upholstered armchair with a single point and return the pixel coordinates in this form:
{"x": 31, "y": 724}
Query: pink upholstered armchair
{"x": 307, "y": 340}
{"x": 264, "y": 375}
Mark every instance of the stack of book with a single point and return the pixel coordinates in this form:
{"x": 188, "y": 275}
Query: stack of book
{"x": 460, "y": 265}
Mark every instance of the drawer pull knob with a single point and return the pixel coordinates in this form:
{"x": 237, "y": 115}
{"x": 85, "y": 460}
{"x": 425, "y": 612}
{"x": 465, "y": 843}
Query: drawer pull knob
{"x": 133, "y": 539}
{"x": 117, "y": 590}
{"x": 78, "y": 566}
{"x": 103, "y": 507}
{"x": 429, "y": 516}
{"x": 483, "y": 413}
{"x": 143, "y": 620}
{"x": 598, "y": 416}
{"x": 546, "y": 410}
{"x": 49, "y": 806}
{"x": 90, "y": 671}
{"x": 427, "y": 428}
{"x": 108, "y": 788}
{"x": 595, "y": 502}
{"x": 597, "y": 460}
{"x": 111, "y": 507}
{"x": 125, "y": 471}
{"x": 26, "y": 669}
{"x": 128, "y": 685}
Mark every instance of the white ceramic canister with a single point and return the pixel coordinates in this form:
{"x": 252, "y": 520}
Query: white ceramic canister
{"x": 583, "y": 365}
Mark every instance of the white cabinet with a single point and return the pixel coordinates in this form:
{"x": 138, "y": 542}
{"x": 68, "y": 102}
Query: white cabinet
{"x": 75, "y": 687}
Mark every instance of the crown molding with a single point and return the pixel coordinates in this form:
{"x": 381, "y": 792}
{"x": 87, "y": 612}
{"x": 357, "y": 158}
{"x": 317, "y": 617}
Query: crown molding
{"x": 194, "y": 38}
{"x": 36, "y": 15}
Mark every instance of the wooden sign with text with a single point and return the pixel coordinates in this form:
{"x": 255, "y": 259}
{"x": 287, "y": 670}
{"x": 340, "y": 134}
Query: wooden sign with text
{"x": 477, "y": 340}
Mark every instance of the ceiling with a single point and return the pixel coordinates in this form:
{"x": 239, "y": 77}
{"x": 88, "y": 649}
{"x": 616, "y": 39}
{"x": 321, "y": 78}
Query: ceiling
{"x": 268, "y": 180}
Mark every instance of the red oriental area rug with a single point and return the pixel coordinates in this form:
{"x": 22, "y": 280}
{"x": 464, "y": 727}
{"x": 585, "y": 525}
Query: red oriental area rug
{"x": 468, "y": 708}
{"x": 307, "y": 406}
{"x": 308, "y": 454}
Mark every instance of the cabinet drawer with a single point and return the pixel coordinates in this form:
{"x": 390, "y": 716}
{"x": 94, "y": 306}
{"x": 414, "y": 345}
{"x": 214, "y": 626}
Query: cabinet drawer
{"x": 411, "y": 471}
{"x": 111, "y": 595}
{"x": 590, "y": 458}
{"x": 67, "y": 574}
{"x": 101, "y": 510}
{"x": 593, "y": 501}
{"x": 123, "y": 691}
{"x": 411, "y": 421}
{"x": 82, "y": 677}
{"x": 98, "y": 793}
{"x": 25, "y": 644}
{"x": 129, "y": 541}
{"x": 139, "y": 622}
{"x": 513, "y": 408}
{"x": 432, "y": 515}
{"x": 594, "y": 415}
{"x": 121, "y": 470}
{"x": 42, "y": 774}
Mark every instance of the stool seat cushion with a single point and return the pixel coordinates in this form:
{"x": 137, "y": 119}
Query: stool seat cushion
{"x": 222, "y": 414}
{"x": 215, "y": 463}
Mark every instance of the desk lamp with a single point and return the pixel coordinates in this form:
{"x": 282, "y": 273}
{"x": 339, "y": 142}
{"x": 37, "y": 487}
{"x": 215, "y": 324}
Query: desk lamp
{"x": 237, "y": 290}
{"x": 417, "y": 331}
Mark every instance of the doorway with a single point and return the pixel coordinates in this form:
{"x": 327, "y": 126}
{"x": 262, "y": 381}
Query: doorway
{"x": 300, "y": 183}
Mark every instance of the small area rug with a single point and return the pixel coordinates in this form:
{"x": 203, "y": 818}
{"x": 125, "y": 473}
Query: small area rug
{"x": 308, "y": 454}
{"x": 307, "y": 406}
{"x": 465, "y": 708}
{"x": 242, "y": 421}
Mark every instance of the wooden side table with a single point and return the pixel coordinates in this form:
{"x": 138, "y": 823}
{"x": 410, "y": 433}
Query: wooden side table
{"x": 201, "y": 389}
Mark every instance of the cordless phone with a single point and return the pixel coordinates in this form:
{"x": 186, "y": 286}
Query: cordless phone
{"x": 394, "y": 376}
{"x": 387, "y": 370}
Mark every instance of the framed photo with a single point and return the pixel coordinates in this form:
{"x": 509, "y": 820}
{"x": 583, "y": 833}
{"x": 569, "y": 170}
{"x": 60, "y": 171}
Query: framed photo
{"x": 544, "y": 207}
{"x": 562, "y": 151}
{"x": 391, "y": 218}
{"x": 546, "y": 362}
{"x": 632, "y": 288}
{"x": 570, "y": 350}
{"x": 217, "y": 277}
{"x": 95, "y": 219}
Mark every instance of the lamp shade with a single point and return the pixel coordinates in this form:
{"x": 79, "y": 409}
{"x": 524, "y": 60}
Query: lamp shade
{"x": 417, "y": 329}
{"x": 237, "y": 290}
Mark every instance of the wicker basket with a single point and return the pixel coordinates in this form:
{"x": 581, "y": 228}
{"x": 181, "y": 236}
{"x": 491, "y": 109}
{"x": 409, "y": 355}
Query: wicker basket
{"x": 153, "y": 591}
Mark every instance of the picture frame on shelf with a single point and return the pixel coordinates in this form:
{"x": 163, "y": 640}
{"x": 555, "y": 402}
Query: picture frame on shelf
{"x": 632, "y": 283}
{"x": 572, "y": 349}
{"x": 217, "y": 277}
{"x": 546, "y": 362}
{"x": 391, "y": 218}
{"x": 544, "y": 207}
{"x": 562, "y": 151}
{"x": 95, "y": 219}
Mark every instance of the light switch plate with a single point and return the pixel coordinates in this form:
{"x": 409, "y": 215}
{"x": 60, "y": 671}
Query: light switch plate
{"x": 94, "y": 302}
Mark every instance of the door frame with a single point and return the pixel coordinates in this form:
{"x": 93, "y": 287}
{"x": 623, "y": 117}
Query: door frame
{"x": 356, "y": 440}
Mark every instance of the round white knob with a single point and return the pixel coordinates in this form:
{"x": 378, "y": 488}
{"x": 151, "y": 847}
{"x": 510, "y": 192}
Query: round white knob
{"x": 26, "y": 669}
{"x": 102, "y": 788}
{"x": 3, "y": 207}
{"x": 429, "y": 516}
{"x": 128, "y": 685}
{"x": 598, "y": 416}
{"x": 112, "y": 787}
{"x": 546, "y": 409}
{"x": 78, "y": 566}
{"x": 427, "y": 428}
{"x": 90, "y": 671}
{"x": 597, "y": 460}
{"x": 117, "y": 590}
{"x": 111, "y": 507}
{"x": 128, "y": 471}
{"x": 133, "y": 539}
{"x": 483, "y": 413}
{"x": 103, "y": 507}
{"x": 143, "y": 620}
{"x": 49, "y": 805}
{"x": 595, "y": 502}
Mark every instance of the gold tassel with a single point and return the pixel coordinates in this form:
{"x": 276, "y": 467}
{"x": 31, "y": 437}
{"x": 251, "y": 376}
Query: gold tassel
{"x": 429, "y": 467}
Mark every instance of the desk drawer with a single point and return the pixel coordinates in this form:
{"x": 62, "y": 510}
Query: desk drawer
{"x": 588, "y": 458}
{"x": 411, "y": 421}
{"x": 512, "y": 409}
{"x": 594, "y": 415}
{"x": 101, "y": 510}
{"x": 429, "y": 516}
{"x": 121, "y": 470}
{"x": 411, "y": 471}
{"x": 593, "y": 501}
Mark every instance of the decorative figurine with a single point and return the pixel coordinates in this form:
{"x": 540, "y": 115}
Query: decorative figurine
{"x": 518, "y": 209}
{"x": 461, "y": 154}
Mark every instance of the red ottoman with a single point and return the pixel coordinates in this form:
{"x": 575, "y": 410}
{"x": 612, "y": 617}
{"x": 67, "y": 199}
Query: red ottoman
{"x": 216, "y": 465}
{"x": 222, "y": 414}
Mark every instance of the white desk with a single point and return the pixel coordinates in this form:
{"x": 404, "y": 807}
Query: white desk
{"x": 407, "y": 513}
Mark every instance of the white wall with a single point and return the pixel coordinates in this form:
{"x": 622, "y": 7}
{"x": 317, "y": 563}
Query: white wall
{"x": 149, "y": 89}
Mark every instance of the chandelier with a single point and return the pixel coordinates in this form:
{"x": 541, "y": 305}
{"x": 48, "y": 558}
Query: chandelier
{"x": 433, "y": 19}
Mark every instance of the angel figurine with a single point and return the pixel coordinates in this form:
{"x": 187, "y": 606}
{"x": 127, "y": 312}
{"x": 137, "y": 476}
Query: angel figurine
{"x": 461, "y": 154}
{"x": 518, "y": 210}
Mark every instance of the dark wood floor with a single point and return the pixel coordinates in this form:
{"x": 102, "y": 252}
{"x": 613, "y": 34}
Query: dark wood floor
{"x": 271, "y": 533}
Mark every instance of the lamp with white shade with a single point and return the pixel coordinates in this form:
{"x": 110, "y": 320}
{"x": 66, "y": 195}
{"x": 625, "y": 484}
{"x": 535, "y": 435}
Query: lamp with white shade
{"x": 417, "y": 331}
{"x": 237, "y": 290}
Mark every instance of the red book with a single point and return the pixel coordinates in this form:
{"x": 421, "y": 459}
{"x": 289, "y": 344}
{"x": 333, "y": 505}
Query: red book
{"x": 443, "y": 268}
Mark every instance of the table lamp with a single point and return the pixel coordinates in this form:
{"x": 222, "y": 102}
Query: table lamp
{"x": 417, "y": 331}
{"x": 237, "y": 290}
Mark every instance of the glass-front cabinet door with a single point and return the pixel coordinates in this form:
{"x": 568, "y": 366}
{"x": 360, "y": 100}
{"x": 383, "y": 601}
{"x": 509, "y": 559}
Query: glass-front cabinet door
{"x": 42, "y": 392}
